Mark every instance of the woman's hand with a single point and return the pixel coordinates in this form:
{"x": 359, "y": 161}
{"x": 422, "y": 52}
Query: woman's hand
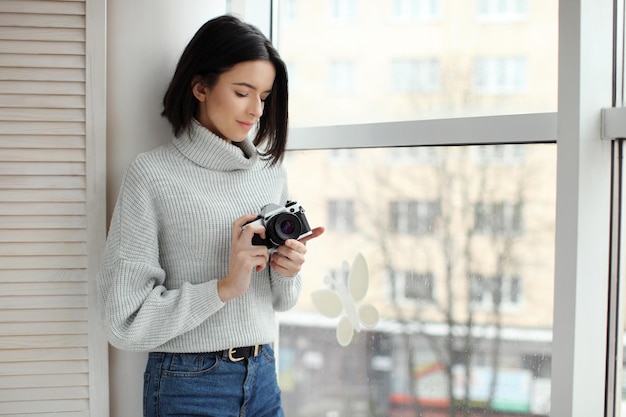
{"x": 288, "y": 258}
{"x": 244, "y": 257}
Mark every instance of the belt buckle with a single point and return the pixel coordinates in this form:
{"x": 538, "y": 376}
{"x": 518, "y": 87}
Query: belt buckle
{"x": 233, "y": 358}
{"x": 231, "y": 355}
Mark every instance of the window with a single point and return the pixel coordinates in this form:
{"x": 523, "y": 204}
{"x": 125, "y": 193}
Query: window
{"x": 411, "y": 286}
{"x": 499, "y": 155}
{"x": 341, "y": 215}
{"x": 341, "y": 156}
{"x": 501, "y": 75}
{"x": 446, "y": 80}
{"x": 288, "y": 11}
{"x": 417, "y": 222}
{"x": 343, "y": 10}
{"x": 498, "y": 218}
{"x": 416, "y": 10}
{"x": 495, "y": 292}
{"x": 341, "y": 78}
{"x": 416, "y": 76}
{"x": 499, "y": 10}
{"x": 413, "y": 217}
{"x": 413, "y": 155}
{"x": 430, "y": 274}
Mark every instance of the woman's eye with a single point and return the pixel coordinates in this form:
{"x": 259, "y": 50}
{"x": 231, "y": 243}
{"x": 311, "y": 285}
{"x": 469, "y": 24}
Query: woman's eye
{"x": 240, "y": 94}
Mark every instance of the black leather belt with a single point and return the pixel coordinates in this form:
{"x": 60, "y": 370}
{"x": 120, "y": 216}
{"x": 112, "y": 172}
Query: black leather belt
{"x": 240, "y": 353}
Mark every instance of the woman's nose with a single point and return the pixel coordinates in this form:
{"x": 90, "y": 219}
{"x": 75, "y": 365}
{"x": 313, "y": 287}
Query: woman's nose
{"x": 256, "y": 107}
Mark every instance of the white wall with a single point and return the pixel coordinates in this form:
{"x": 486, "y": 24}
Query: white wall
{"x": 145, "y": 39}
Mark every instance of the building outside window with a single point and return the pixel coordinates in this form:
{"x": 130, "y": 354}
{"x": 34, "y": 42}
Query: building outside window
{"x": 416, "y": 76}
{"x": 413, "y": 217}
{"x": 342, "y": 77}
{"x": 412, "y": 286}
{"x": 414, "y": 155}
{"x": 499, "y": 154}
{"x": 496, "y": 292}
{"x": 341, "y": 215}
{"x": 501, "y": 75}
{"x": 501, "y": 218}
{"x": 344, "y": 10}
{"x": 416, "y": 10}
{"x": 501, "y": 10}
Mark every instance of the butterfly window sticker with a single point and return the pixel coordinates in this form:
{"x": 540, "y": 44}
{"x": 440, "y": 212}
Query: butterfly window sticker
{"x": 343, "y": 299}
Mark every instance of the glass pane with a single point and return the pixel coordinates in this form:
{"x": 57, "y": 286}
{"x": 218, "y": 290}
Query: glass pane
{"x": 452, "y": 248}
{"x": 379, "y": 61}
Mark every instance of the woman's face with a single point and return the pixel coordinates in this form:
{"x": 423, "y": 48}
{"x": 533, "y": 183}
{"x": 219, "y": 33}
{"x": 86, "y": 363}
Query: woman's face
{"x": 232, "y": 107}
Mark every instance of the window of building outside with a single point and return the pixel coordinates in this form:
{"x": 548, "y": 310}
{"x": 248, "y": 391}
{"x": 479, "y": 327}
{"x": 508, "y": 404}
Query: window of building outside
{"x": 457, "y": 241}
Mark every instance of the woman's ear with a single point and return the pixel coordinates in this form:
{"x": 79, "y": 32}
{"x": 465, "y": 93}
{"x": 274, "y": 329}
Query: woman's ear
{"x": 199, "y": 89}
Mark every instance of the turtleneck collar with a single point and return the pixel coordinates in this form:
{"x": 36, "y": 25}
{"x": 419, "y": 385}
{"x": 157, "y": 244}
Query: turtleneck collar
{"x": 212, "y": 152}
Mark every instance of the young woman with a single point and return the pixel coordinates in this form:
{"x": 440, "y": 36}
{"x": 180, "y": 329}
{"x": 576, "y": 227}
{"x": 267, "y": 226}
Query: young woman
{"x": 180, "y": 277}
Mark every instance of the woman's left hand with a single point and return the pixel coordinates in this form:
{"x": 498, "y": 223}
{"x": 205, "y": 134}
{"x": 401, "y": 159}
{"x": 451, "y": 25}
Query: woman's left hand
{"x": 288, "y": 258}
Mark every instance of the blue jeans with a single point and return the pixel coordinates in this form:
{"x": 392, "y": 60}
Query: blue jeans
{"x": 210, "y": 385}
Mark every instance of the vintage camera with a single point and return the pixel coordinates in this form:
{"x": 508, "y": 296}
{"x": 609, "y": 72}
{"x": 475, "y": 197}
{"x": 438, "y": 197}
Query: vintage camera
{"x": 281, "y": 223}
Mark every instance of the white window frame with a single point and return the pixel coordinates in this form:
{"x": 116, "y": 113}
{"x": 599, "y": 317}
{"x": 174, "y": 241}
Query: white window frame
{"x": 579, "y": 365}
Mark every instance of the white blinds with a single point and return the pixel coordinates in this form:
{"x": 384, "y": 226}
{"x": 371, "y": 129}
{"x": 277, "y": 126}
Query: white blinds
{"x": 44, "y": 311}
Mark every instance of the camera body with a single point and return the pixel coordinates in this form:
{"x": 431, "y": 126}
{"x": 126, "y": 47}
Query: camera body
{"x": 281, "y": 223}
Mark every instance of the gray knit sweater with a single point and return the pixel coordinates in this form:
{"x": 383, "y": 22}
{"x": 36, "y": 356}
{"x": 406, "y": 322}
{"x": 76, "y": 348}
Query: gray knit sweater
{"x": 169, "y": 244}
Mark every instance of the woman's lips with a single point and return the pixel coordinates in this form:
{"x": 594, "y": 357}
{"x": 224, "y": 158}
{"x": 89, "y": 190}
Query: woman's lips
{"x": 245, "y": 125}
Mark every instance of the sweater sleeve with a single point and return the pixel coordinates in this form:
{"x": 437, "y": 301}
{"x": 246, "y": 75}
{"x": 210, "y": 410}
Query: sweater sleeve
{"x": 139, "y": 312}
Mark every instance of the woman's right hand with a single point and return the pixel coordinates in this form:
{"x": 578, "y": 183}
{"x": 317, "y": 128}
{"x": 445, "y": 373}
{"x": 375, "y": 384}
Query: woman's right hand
{"x": 244, "y": 257}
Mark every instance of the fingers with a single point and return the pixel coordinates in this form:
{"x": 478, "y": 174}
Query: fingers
{"x": 315, "y": 233}
{"x": 246, "y": 218}
{"x": 288, "y": 258}
{"x": 244, "y": 257}
{"x": 250, "y": 258}
{"x": 246, "y": 226}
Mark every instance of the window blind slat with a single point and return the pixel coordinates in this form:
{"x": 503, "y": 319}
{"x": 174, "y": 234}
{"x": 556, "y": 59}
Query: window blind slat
{"x": 41, "y": 7}
{"x": 19, "y": 381}
{"x": 44, "y": 155}
{"x": 41, "y": 47}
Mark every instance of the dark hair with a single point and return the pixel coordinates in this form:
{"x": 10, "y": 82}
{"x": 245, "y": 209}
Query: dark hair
{"x": 217, "y": 46}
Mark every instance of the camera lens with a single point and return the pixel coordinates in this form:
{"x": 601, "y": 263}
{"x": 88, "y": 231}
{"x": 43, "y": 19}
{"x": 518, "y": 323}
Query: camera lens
{"x": 282, "y": 227}
{"x": 287, "y": 227}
